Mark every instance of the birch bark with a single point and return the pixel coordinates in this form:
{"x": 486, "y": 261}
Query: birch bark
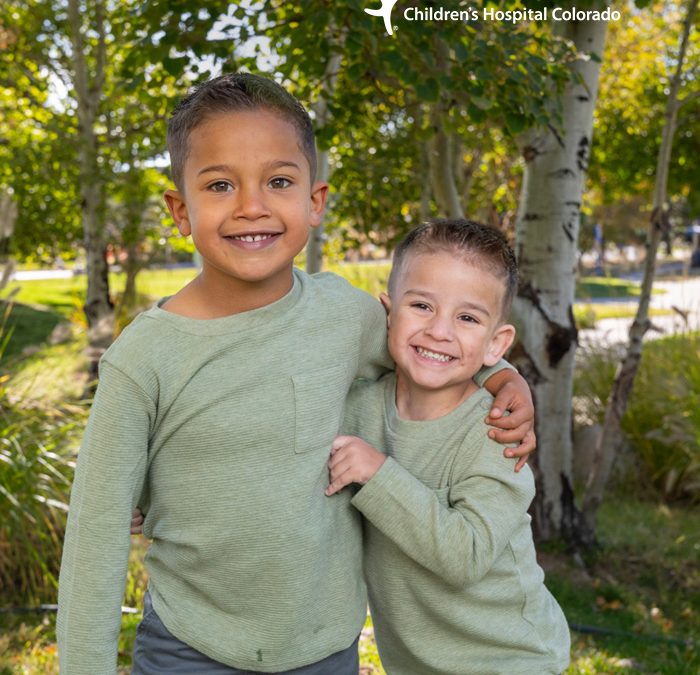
{"x": 547, "y": 231}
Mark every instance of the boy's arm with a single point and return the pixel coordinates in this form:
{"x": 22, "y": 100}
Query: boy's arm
{"x": 108, "y": 480}
{"x": 511, "y": 393}
{"x": 456, "y": 536}
{"x": 373, "y": 355}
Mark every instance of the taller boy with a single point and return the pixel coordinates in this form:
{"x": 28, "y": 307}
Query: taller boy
{"x": 219, "y": 407}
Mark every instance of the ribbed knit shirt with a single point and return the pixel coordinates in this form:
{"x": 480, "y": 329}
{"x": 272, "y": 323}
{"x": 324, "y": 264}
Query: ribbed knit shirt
{"x": 454, "y": 585}
{"x": 224, "y": 427}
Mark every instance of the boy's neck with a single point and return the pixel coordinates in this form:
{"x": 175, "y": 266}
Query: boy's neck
{"x": 211, "y": 295}
{"x": 416, "y": 403}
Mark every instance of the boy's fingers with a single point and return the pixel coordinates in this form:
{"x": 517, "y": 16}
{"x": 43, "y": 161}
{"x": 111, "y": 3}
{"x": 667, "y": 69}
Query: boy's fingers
{"x": 339, "y": 442}
{"x": 337, "y": 456}
{"x": 337, "y": 484}
{"x": 521, "y": 463}
{"x": 527, "y": 446}
{"x": 505, "y": 422}
{"x": 519, "y": 415}
{"x": 340, "y": 468}
{"x": 515, "y": 435}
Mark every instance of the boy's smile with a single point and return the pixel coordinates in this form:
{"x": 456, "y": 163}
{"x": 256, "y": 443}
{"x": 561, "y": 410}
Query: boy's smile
{"x": 247, "y": 201}
{"x": 444, "y": 325}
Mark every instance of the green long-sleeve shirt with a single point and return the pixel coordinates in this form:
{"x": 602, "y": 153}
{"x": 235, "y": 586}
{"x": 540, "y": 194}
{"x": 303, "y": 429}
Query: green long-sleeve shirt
{"x": 454, "y": 585}
{"x": 225, "y": 427}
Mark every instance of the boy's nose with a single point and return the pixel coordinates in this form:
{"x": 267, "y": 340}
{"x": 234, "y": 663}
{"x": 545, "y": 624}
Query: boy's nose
{"x": 250, "y": 204}
{"x": 440, "y": 328}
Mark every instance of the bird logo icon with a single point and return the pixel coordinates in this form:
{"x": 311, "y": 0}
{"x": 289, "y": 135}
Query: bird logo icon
{"x": 385, "y": 12}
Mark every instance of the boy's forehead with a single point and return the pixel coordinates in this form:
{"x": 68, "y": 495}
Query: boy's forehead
{"x": 258, "y": 123}
{"x": 430, "y": 266}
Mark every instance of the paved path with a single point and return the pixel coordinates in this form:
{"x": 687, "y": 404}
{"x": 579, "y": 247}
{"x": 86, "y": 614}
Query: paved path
{"x": 683, "y": 295}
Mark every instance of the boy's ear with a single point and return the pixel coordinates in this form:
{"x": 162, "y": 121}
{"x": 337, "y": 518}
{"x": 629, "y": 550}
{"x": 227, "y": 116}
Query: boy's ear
{"x": 319, "y": 194}
{"x": 501, "y": 340}
{"x": 175, "y": 202}
{"x": 386, "y": 302}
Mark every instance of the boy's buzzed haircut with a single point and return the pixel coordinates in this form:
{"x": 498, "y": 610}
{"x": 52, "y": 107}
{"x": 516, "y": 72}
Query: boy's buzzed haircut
{"x": 235, "y": 92}
{"x": 481, "y": 245}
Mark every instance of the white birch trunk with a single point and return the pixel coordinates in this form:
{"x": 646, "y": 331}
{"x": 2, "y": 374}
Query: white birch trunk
{"x": 546, "y": 244}
{"x": 611, "y": 437}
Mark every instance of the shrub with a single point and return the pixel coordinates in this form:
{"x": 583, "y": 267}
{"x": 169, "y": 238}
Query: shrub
{"x": 34, "y": 487}
{"x": 662, "y": 421}
{"x": 35, "y": 477}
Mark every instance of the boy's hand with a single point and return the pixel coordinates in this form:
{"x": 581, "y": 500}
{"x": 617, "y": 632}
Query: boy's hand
{"x": 352, "y": 461}
{"x": 137, "y": 521}
{"x": 512, "y": 394}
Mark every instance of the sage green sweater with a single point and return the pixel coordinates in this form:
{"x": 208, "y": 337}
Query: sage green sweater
{"x": 454, "y": 585}
{"x": 224, "y": 428}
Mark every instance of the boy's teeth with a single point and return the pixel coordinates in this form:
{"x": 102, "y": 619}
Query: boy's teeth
{"x": 252, "y": 237}
{"x": 433, "y": 355}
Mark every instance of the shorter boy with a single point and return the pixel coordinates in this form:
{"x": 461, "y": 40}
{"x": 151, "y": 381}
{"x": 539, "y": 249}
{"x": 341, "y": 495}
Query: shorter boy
{"x": 454, "y": 585}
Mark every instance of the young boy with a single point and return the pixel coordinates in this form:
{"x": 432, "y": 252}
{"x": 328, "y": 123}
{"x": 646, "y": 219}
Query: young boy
{"x": 218, "y": 409}
{"x": 454, "y": 585}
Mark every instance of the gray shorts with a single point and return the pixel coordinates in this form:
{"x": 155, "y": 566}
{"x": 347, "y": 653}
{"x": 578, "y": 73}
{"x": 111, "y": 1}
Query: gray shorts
{"x": 159, "y": 652}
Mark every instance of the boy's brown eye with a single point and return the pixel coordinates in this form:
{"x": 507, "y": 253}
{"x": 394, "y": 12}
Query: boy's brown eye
{"x": 280, "y": 182}
{"x": 219, "y": 186}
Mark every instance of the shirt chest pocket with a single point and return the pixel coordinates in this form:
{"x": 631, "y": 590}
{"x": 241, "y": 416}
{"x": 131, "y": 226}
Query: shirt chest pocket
{"x": 319, "y": 397}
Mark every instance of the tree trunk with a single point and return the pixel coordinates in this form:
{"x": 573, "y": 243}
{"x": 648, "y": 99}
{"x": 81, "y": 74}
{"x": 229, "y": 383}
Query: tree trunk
{"x": 546, "y": 243}
{"x": 443, "y": 148}
{"x": 314, "y": 247}
{"x": 8, "y": 218}
{"x": 98, "y": 307}
{"x": 132, "y": 266}
{"x": 611, "y": 436}
{"x": 442, "y": 166}
{"x": 425, "y": 183}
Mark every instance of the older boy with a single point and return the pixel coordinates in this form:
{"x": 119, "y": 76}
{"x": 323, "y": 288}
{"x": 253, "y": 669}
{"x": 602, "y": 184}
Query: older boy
{"x": 218, "y": 408}
{"x": 450, "y": 565}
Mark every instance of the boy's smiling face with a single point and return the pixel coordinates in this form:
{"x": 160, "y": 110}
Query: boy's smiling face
{"x": 247, "y": 199}
{"x": 444, "y": 320}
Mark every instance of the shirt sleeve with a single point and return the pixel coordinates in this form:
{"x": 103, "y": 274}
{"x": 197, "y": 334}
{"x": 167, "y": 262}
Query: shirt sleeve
{"x": 109, "y": 477}
{"x": 374, "y": 359}
{"x": 459, "y": 536}
{"x": 484, "y": 374}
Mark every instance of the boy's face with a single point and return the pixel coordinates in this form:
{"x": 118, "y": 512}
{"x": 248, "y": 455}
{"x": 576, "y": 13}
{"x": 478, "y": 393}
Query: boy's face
{"x": 444, "y": 320}
{"x": 247, "y": 198}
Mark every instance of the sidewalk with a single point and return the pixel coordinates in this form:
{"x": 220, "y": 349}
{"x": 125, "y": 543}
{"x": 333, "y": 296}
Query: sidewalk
{"x": 681, "y": 297}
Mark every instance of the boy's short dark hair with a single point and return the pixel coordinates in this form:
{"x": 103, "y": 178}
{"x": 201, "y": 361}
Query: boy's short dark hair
{"x": 481, "y": 245}
{"x": 235, "y": 92}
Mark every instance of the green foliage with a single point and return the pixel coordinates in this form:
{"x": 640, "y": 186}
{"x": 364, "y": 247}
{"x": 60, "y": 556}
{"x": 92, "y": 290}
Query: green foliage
{"x": 639, "y": 60}
{"x": 662, "y": 421}
{"x": 35, "y": 476}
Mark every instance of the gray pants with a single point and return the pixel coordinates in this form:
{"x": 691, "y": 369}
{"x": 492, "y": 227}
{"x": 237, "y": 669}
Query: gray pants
{"x": 159, "y": 652}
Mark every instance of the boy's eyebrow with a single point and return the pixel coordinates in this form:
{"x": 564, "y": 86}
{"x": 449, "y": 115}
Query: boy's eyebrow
{"x": 225, "y": 168}
{"x": 466, "y": 304}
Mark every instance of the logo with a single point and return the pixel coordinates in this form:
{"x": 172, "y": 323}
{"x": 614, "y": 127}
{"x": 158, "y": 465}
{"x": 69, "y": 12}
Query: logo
{"x": 385, "y": 12}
